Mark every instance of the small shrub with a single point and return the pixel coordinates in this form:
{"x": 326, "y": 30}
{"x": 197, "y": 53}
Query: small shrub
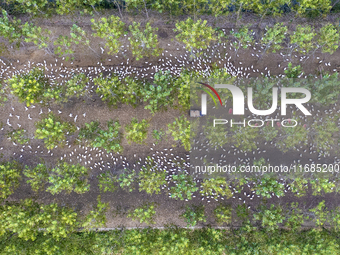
{"x": 106, "y": 182}
{"x": 10, "y": 176}
{"x": 222, "y": 214}
{"x": 66, "y": 177}
{"x": 145, "y": 213}
{"x": 137, "y": 131}
{"x": 37, "y": 176}
{"x": 53, "y": 131}
{"x": 18, "y": 136}
{"x": 194, "y": 214}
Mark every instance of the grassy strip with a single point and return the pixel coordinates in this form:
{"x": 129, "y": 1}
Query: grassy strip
{"x": 174, "y": 240}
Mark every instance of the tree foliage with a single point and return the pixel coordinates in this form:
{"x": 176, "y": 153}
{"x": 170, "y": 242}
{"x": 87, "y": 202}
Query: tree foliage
{"x": 194, "y": 35}
{"x": 158, "y": 95}
{"x": 137, "y": 131}
{"x": 68, "y": 178}
{"x": 180, "y": 131}
{"x": 151, "y": 179}
{"x": 111, "y": 30}
{"x": 144, "y": 213}
{"x": 97, "y": 216}
{"x": 184, "y": 187}
{"x": 30, "y": 87}
{"x": 109, "y": 139}
{"x": 10, "y": 176}
{"x": 143, "y": 43}
{"x": 37, "y": 176}
{"x": 53, "y": 130}
{"x": 194, "y": 214}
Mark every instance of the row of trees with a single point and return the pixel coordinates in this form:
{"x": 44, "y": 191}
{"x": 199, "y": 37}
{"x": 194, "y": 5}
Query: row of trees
{"x": 164, "y": 91}
{"x": 168, "y": 91}
{"x": 143, "y": 42}
{"x": 174, "y": 240}
{"x": 153, "y": 178}
{"x": 54, "y": 132}
{"x": 28, "y": 221}
{"x": 215, "y": 8}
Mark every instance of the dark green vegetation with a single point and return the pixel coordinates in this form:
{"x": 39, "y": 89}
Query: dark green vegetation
{"x": 188, "y": 7}
{"x": 174, "y": 240}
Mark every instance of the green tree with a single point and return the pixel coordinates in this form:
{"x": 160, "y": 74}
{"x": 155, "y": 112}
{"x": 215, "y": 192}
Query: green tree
{"x": 294, "y": 216}
{"x": 299, "y": 186}
{"x": 109, "y": 139}
{"x": 111, "y": 30}
{"x": 30, "y": 87}
{"x": 320, "y": 214}
{"x": 97, "y": 217}
{"x": 151, "y": 179}
{"x": 137, "y": 4}
{"x": 194, "y": 214}
{"x": 325, "y": 90}
{"x": 10, "y": 28}
{"x": 37, "y": 176}
{"x": 115, "y": 90}
{"x": 77, "y": 86}
{"x": 66, "y": 177}
{"x": 40, "y": 38}
{"x": 27, "y": 217}
{"x": 145, "y": 213}
{"x": 10, "y": 177}
{"x": 32, "y": 7}
{"x": 244, "y": 137}
{"x": 18, "y": 136}
{"x": 106, "y": 182}
{"x": 144, "y": 43}
{"x": 71, "y": 6}
{"x": 53, "y": 130}
{"x": 270, "y": 218}
{"x": 267, "y": 186}
{"x": 293, "y": 72}
{"x": 195, "y": 35}
{"x": 222, "y": 214}
{"x": 182, "y": 85}
{"x": 64, "y": 46}
{"x": 274, "y": 37}
{"x": 79, "y": 36}
{"x": 180, "y": 131}
{"x": 313, "y": 7}
{"x": 159, "y": 94}
{"x": 184, "y": 187}
{"x": 292, "y": 137}
{"x": 323, "y": 133}
{"x": 328, "y": 39}
{"x": 321, "y": 186}
{"x": 242, "y": 38}
{"x": 302, "y": 39}
{"x": 217, "y": 136}
{"x": 268, "y": 7}
{"x": 219, "y": 7}
{"x": 269, "y": 133}
{"x": 215, "y": 187}
{"x": 127, "y": 180}
{"x": 137, "y": 131}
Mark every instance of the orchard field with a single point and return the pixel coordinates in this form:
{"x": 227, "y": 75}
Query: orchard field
{"x": 96, "y": 137}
